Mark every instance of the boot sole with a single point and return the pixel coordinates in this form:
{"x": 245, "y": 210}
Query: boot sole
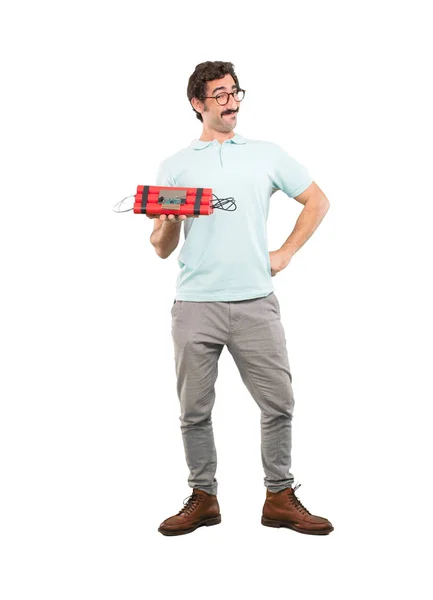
{"x": 207, "y": 522}
{"x": 275, "y": 523}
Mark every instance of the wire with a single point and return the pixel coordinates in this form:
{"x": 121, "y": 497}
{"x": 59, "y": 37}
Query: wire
{"x": 223, "y": 201}
{"x": 120, "y": 204}
{"x": 219, "y": 204}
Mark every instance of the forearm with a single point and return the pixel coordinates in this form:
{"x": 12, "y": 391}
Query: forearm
{"x": 166, "y": 238}
{"x": 307, "y": 223}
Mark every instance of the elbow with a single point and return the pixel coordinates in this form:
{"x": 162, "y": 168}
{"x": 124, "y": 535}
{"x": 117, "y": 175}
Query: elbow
{"x": 166, "y": 252}
{"x": 160, "y": 253}
{"x": 157, "y": 250}
{"x": 324, "y": 205}
{"x": 165, "y": 247}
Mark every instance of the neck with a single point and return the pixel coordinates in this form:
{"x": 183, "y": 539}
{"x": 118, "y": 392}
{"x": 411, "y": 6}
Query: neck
{"x": 209, "y": 135}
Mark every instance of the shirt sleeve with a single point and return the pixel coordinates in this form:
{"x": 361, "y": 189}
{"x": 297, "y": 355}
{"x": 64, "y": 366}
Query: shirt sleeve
{"x": 287, "y": 174}
{"x": 163, "y": 176}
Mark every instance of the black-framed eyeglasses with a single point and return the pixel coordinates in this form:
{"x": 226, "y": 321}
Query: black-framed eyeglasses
{"x": 223, "y": 97}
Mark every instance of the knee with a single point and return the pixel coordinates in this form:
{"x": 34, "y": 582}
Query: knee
{"x": 195, "y": 418}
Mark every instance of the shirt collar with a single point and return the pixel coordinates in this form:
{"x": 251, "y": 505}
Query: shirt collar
{"x": 200, "y": 144}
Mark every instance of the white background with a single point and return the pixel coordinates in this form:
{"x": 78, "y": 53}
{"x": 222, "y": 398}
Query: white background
{"x": 92, "y": 461}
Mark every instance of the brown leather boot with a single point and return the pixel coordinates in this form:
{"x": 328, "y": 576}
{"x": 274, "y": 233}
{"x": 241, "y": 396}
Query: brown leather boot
{"x": 283, "y": 509}
{"x": 200, "y": 509}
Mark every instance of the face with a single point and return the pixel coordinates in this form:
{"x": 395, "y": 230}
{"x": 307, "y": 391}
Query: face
{"x": 214, "y": 115}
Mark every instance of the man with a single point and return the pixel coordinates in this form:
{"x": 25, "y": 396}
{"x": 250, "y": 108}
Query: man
{"x": 225, "y": 296}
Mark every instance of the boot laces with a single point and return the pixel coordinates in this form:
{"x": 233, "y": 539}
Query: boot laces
{"x": 190, "y": 503}
{"x": 296, "y": 502}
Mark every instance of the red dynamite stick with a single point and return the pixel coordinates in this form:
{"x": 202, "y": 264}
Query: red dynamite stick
{"x": 153, "y": 198}
{"x": 188, "y": 200}
{"x": 154, "y": 189}
{"x": 185, "y": 209}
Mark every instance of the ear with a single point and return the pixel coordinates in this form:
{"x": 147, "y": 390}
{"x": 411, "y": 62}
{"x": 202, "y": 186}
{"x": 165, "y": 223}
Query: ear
{"x": 197, "y": 105}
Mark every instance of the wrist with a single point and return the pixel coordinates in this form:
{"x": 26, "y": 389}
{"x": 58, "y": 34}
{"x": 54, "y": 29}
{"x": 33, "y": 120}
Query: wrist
{"x": 287, "y": 252}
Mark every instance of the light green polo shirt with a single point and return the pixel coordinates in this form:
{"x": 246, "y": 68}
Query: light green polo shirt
{"x": 225, "y": 255}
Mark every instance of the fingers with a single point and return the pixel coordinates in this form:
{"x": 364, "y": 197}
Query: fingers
{"x": 174, "y": 218}
{"x": 171, "y": 218}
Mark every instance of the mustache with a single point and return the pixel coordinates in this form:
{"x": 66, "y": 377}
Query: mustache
{"x": 230, "y": 113}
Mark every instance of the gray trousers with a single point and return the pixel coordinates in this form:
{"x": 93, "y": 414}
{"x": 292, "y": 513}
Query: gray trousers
{"x": 254, "y": 335}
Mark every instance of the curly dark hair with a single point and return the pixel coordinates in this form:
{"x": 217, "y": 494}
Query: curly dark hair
{"x": 207, "y": 71}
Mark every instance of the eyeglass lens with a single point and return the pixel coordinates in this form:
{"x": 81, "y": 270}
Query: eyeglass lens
{"x": 223, "y": 98}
